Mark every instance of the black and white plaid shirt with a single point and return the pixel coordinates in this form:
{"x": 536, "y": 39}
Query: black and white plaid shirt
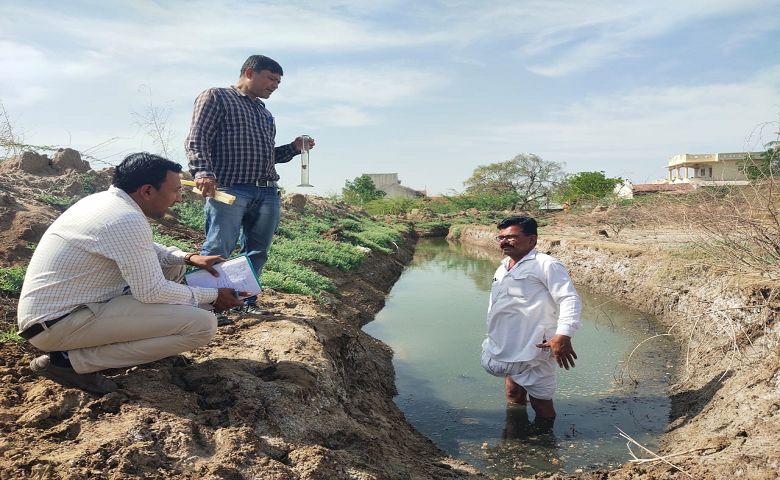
{"x": 232, "y": 138}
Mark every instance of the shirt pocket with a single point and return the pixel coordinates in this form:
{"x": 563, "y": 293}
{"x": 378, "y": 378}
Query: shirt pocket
{"x": 520, "y": 288}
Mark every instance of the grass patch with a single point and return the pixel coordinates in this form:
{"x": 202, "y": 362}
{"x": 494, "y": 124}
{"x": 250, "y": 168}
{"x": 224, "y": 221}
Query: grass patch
{"x": 167, "y": 240}
{"x": 289, "y": 276}
{"x": 57, "y": 200}
{"x": 10, "y": 336}
{"x": 11, "y": 279}
{"x": 190, "y": 212}
{"x": 300, "y": 239}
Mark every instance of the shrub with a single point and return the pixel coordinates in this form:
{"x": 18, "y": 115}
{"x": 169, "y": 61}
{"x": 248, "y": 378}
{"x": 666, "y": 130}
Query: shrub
{"x": 11, "y": 279}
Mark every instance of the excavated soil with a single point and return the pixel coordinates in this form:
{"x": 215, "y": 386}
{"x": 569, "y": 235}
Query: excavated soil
{"x": 302, "y": 393}
{"x": 298, "y": 393}
{"x": 725, "y": 419}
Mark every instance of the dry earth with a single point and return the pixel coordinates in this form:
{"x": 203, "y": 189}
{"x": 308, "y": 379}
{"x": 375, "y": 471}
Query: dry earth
{"x": 303, "y": 393}
{"x": 299, "y": 393}
{"x": 725, "y": 419}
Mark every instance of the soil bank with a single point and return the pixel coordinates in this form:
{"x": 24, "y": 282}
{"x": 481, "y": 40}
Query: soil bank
{"x": 725, "y": 419}
{"x": 299, "y": 393}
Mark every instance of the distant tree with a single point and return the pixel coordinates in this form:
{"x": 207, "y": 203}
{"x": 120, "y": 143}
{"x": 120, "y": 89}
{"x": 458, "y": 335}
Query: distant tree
{"x": 361, "y": 190}
{"x": 767, "y": 165}
{"x": 585, "y": 186}
{"x": 527, "y": 176}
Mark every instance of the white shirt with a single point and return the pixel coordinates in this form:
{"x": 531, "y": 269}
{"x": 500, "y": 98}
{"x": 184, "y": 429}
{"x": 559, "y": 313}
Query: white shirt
{"x": 92, "y": 253}
{"x": 530, "y": 303}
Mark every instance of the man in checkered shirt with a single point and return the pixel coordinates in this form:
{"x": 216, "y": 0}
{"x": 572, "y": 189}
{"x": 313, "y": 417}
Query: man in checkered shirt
{"x": 99, "y": 293}
{"x": 231, "y": 146}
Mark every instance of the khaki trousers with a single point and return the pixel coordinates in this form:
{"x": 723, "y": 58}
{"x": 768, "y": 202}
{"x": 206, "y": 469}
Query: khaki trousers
{"x": 124, "y": 332}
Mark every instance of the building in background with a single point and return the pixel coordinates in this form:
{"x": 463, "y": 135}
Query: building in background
{"x": 389, "y": 183}
{"x": 710, "y": 168}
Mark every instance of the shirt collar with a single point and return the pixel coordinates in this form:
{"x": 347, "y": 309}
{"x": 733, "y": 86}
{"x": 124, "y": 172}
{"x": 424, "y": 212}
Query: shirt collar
{"x": 528, "y": 256}
{"x": 247, "y": 96}
{"x": 124, "y": 196}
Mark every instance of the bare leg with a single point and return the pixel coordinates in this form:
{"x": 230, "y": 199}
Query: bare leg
{"x": 515, "y": 394}
{"x": 543, "y": 408}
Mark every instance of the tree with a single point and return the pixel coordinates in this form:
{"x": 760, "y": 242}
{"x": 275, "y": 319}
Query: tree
{"x": 585, "y": 186}
{"x": 526, "y": 175}
{"x": 766, "y": 165}
{"x": 361, "y": 190}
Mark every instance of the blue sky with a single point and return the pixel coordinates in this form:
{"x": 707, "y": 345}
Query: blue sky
{"x": 429, "y": 89}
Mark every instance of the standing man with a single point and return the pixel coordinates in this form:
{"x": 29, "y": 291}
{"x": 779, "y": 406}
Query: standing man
{"x": 534, "y": 311}
{"x": 99, "y": 293}
{"x": 231, "y": 146}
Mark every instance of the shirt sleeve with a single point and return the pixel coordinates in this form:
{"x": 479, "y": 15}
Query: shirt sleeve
{"x": 206, "y": 117}
{"x": 169, "y": 256}
{"x": 130, "y": 245}
{"x": 284, "y": 153}
{"x": 562, "y": 290}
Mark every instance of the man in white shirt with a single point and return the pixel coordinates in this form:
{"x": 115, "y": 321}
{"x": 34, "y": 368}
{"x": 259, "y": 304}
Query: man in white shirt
{"x": 534, "y": 311}
{"x": 99, "y": 293}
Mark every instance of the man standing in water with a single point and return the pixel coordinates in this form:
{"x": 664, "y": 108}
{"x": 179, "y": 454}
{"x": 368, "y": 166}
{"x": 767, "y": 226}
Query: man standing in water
{"x": 534, "y": 311}
{"x": 231, "y": 145}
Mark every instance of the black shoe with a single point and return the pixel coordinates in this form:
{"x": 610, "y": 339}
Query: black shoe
{"x": 223, "y": 320}
{"x": 91, "y": 382}
{"x": 254, "y": 309}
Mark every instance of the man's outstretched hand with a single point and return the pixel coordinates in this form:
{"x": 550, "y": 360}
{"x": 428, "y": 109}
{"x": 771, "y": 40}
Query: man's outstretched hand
{"x": 562, "y": 350}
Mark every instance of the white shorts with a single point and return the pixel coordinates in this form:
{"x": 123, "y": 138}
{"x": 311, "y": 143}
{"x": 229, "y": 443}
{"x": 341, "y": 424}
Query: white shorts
{"x": 537, "y": 376}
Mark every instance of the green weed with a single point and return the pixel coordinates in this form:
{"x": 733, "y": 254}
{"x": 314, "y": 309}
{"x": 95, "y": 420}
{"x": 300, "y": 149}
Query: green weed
{"x": 9, "y": 336}
{"x": 11, "y": 279}
{"x": 190, "y": 212}
{"x": 169, "y": 241}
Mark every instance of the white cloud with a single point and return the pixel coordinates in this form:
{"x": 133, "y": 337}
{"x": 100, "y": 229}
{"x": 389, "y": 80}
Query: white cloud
{"x": 368, "y": 86}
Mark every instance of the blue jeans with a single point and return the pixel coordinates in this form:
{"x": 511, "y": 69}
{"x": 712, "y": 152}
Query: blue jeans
{"x": 251, "y": 221}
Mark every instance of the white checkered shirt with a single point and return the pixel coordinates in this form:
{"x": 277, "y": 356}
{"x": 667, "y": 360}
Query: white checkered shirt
{"x": 232, "y": 138}
{"x": 92, "y": 253}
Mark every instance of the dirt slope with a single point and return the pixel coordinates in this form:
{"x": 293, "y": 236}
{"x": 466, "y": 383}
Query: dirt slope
{"x": 300, "y": 393}
{"x": 725, "y": 419}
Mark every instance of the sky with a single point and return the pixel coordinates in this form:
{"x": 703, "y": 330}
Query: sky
{"x": 428, "y": 89}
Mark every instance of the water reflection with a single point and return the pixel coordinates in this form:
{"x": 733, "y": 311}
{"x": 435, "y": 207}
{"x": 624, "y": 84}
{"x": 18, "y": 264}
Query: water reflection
{"x": 435, "y": 320}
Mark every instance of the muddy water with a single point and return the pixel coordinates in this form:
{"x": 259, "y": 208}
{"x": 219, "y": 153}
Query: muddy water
{"x": 435, "y": 319}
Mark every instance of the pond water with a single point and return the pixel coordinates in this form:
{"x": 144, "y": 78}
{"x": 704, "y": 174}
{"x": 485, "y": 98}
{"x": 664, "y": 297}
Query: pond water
{"x": 434, "y": 320}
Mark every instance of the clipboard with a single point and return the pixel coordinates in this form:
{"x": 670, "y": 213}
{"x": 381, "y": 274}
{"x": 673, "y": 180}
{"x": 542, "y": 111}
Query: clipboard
{"x": 236, "y": 273}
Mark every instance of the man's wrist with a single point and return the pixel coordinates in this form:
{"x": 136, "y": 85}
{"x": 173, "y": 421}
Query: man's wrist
{"x": 188, "y": 258}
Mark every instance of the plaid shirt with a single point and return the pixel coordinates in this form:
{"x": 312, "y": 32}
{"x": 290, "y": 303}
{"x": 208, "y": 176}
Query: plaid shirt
{"x": 232, "y": 138}
{"x": 92, "y": 253}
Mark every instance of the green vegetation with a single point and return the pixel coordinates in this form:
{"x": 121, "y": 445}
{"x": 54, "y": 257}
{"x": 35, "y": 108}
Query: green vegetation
{"x": 585, "y": 186}
{"x": 168, "y": 241}
{"x": 766, "y": 165}
{"x": 11, "y": 279}
{"x": 58, "y": 200}
{"x": 10, "y": 335}
{"x": 190, "y": 212}
{"x": 526, "y": 176}
{"x": 361, "y": 190}
{"x": 328, "y": 239}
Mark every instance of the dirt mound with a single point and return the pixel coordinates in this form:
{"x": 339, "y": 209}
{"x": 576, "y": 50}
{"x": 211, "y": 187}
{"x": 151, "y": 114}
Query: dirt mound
{"x": 298, "y": 393}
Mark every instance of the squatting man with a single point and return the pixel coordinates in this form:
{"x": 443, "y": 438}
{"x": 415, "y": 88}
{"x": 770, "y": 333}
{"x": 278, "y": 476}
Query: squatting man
{"x": 99, "y": 293}
{"x": 534, "y": 311}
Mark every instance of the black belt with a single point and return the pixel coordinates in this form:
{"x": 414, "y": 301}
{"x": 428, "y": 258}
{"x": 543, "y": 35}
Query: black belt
{"x": 37, "y": 328}
{"x": 265, "y": 183}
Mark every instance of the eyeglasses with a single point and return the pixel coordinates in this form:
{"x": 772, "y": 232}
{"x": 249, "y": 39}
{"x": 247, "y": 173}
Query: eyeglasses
{"x": 501, "y": 238}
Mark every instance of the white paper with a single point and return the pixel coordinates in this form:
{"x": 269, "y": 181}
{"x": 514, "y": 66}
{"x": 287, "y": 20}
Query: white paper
{"x": 236, "y": 273}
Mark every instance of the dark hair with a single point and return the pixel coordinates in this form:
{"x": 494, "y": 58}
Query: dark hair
{"x": 261, "y": 62}
{"x": 138, "y": 169}
{"x": 528, "y": 224}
